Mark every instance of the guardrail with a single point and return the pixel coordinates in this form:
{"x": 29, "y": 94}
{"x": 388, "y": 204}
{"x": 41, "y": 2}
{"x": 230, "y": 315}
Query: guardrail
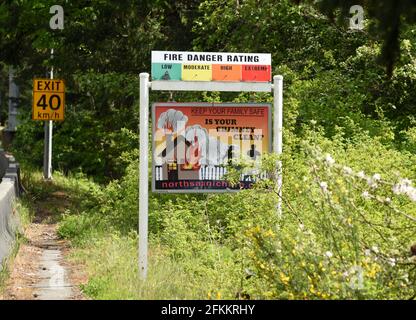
{"x": 10, "y": 189}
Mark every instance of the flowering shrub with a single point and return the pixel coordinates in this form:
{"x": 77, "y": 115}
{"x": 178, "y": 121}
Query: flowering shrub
{"x": 346, "y": 229}
{"x": 344, "y": 234}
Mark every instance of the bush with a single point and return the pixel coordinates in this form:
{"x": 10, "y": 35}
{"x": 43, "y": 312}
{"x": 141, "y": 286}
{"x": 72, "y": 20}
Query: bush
{"x": 345, "y": 232}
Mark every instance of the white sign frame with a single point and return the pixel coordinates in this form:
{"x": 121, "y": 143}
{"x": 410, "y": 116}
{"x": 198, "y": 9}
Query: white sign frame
{"x": 145, "y": 86}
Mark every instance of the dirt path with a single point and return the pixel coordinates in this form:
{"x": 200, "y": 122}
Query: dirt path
{"x": 41, "y": 269}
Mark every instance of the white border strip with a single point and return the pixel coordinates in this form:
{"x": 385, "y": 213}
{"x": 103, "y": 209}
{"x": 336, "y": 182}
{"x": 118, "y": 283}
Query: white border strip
{"x": 171, "y": 85}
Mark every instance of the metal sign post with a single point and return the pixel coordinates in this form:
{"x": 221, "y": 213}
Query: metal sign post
{"x": 47, "y": 152}
{"x": 143, "y": 173}
{"x": 48, "y": 105}
{"x": 278, "y": 134}
{"x": 56, "y": 22}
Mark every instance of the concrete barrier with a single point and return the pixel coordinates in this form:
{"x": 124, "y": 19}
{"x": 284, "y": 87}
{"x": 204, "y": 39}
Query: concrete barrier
{"x": 10, "y": 189}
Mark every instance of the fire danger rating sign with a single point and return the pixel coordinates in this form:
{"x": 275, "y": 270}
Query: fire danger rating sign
{"x": 48, "y": 99}
{"x": 211, "y": 66}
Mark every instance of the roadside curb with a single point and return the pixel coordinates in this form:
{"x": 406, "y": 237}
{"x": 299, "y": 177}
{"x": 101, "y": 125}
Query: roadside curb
{"x": 10, "y": 190}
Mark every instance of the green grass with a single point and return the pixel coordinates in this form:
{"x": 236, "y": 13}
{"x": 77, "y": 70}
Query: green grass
{"x": 112, "y": 266}
{"x": 110, "y": 259}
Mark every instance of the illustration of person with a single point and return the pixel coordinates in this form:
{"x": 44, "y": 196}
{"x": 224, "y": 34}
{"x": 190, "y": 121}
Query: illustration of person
{"x": 253, "y": 153}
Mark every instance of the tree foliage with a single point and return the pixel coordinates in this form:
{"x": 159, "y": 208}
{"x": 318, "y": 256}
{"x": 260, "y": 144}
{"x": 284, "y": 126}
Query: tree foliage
{"x": 349, "y": 143}
{"x": 390, "y": 21}
{"x": 105, "y": 44}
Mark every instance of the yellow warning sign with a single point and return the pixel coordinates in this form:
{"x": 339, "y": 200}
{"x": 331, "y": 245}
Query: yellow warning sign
{"x": 196, "y": 72}
{"x": 48, "y": 99}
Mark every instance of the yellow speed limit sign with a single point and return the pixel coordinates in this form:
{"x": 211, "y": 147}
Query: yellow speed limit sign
{"x": 48, "y": 99}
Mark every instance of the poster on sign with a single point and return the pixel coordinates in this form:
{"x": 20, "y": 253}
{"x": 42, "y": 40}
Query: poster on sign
{"x": 194, "y": 145}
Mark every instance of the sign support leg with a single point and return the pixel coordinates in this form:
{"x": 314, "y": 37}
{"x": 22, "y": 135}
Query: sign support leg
{"x": 143, "y": 174}
{"x": 47, "y": 153}
{"x": 277, "y": 134}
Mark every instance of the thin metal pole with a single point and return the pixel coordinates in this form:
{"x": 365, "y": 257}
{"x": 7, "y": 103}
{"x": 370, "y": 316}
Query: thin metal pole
{"x": 143, "y": 174}
{"x": 277, "y": 134}
{"x": 47, "y": 154}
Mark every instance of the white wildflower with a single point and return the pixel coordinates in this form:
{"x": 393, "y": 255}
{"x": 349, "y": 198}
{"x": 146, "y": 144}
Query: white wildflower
{"x": 392, "y": 261}
{"x": 347, "y": 170}
{"x": 387, "y": 200}
{"x": 367, "y": 252}
{"x": 357, "y": 279}
{"x": 328, "y": 254}
{"x": 372, "y": 182}
{"x": 412, "y": 194}
{"x": 329, "y": 160}
{"x": 361, "y": 174}
{"x": 406, "y": 182}
{"x": 365, "y": 195}
{"x": 405, "y": 187}
{"x": 375, "y": 249}
{"x": 324, "y": 186}
{"x": 377, "y": 177}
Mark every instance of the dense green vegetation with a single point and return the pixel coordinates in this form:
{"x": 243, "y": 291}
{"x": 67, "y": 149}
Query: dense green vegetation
{"x": 349, "y": 149}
